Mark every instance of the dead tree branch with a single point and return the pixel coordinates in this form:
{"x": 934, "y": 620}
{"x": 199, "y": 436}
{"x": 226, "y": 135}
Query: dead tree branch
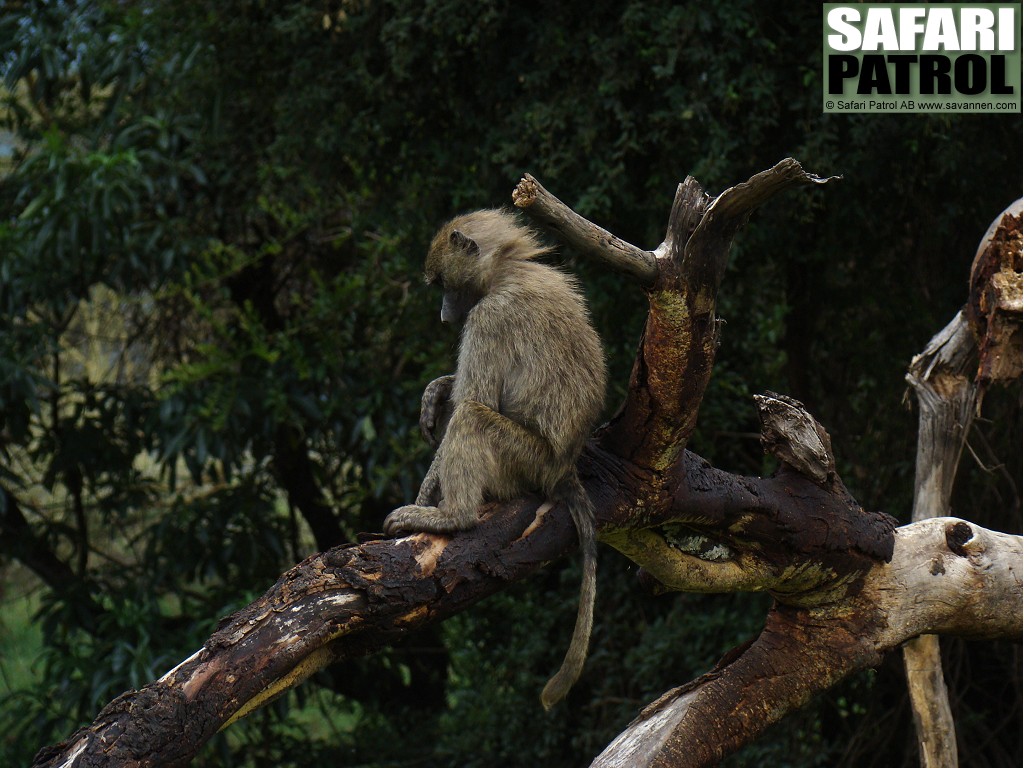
{"x": 583, "y": 235}
{"x": 949, "y": 383}
{"x": 946, "y": 576}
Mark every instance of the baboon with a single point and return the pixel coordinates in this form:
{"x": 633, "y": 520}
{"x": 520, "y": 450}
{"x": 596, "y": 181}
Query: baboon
{"x": 528, "y": 386}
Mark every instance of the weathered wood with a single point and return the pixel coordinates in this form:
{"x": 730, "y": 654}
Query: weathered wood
{"x": 680, "y": 338}
{"x": 949, "y": 384}
{"x": 929, "y": 702}
{"x": 946, "y": 402}
{"x": 793, "y": 436}
{"x": 352, "y": 600}
{"x": 707, "y": 251}
{"x": 583, "y": 235}
{"x": 994, "y": 307}
{"x": 946, "y": 575}
{"x": 346, "y": 602}
{"x": 706, "y": 530}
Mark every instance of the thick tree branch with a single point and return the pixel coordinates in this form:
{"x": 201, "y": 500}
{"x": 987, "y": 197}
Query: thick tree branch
{"x": 946, "y": 576}
{"x": 677, "y": 351}
{"x": 346, "y": 602}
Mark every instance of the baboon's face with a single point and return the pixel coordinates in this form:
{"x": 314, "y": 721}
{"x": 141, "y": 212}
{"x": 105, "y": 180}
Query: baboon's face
{"x": 453, "y": 263}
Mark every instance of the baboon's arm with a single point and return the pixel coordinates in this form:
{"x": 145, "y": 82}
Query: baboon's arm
{"x": 436, "y": 409}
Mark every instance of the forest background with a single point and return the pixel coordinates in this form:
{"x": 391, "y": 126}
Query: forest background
{"x": 214, "y": 335}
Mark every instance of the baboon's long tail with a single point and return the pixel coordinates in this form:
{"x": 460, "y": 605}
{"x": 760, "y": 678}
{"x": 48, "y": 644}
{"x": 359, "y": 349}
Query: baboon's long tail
{"x": 571, "y": 491}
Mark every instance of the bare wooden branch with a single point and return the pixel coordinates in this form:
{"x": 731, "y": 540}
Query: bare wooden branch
{"x": 677, "y": 352}
{"x": 946, "y": 398}
{"x": 584, "y": 236}
{"x": 929, "y": 702}
{"x": 948, "y": 394}
{"x": 707, "y": 251}
{"x": 336, "y": 605}
{"x": 946, "y": 575}
{"x": 688, "y": 208}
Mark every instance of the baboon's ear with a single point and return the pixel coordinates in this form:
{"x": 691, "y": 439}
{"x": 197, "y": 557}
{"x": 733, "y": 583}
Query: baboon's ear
{"x": 460, "y": 242}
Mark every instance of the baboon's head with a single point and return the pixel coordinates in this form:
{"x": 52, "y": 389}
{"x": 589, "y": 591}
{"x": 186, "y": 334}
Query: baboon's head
{"x": 468, "y": 252}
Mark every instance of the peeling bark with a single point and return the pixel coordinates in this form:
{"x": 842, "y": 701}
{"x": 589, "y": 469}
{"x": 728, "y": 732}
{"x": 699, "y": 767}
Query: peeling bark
{"x": 346, "y": 602}
{"x": 994, "y": 308}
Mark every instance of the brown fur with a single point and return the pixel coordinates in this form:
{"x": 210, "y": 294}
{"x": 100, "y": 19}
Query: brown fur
{"x": 529, "y": 385}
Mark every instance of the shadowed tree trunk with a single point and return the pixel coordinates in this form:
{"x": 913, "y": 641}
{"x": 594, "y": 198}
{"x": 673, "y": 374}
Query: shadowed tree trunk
{"x": 848, "y": 585}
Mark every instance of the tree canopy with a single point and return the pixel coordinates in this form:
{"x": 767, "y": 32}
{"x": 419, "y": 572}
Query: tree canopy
{"x": 213, "y": 336}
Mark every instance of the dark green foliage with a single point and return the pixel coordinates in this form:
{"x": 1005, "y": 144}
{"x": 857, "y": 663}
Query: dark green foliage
{"x": 213, "y": 336}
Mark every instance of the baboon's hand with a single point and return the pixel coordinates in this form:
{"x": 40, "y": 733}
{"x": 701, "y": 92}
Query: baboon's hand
{"x": 435, "y": 409}
{"x": 412, "y": 518}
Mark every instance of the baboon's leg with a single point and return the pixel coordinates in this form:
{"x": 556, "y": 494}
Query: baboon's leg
{"x": 430, "y": 489}
{"x": 482, "y": 453}
{"x": 489, "y": 454}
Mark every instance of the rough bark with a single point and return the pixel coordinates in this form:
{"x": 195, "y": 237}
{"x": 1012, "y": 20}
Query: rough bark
{"x": 348, "y": 601}
{"x": 994, "y": 307}
{"x": 848, "y": 585}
